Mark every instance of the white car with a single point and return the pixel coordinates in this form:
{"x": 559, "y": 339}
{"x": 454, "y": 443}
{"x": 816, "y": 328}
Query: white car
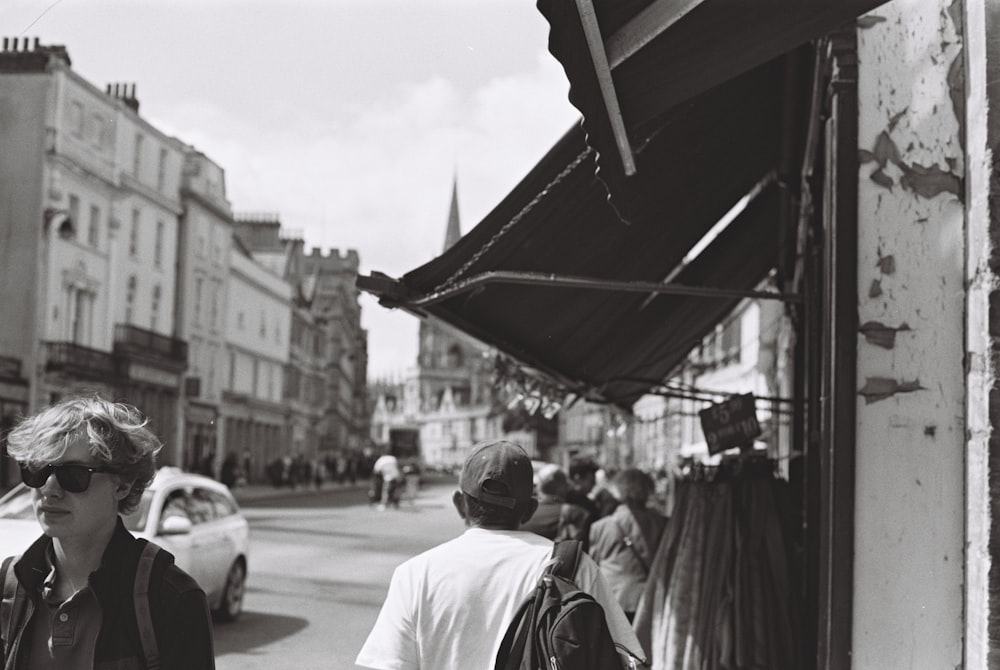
{"x": 193, "y": 517}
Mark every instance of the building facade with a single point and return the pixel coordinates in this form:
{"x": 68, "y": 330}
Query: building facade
{"x": 259, "y": 314}
{"x": 205, "y": 237}
{"x": 93, "y": 195}
{"x": 304, "y": 391}
{"x": 337, "y": 313}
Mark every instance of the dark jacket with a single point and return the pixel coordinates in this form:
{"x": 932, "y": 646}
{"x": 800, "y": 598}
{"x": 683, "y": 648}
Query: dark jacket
{"x": 558, "y": 520}
{"x": 623, "y": 546}
{"x": 178, "y": 606}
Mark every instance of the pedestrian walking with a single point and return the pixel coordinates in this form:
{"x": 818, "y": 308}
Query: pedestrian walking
{"x": 450, "y": 606}
{"x": 582, "y": 479}
{"x": 386, "y": 480}
{"x": 623, "y": 544}
{"x": 71, "y": 600}
{"x": 555, "y": 518}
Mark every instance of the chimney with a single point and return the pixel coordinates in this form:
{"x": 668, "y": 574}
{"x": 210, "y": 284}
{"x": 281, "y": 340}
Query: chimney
{"x": 121, "y": 92}
{"x": 30, "y": 55}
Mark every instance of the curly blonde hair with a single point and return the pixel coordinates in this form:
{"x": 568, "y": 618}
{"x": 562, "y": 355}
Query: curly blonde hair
{"x": 116, "y": 433}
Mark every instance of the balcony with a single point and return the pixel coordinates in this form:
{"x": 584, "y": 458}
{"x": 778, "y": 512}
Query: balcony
{"x": 78, "y": 360}
{"x": 135, "y": 342}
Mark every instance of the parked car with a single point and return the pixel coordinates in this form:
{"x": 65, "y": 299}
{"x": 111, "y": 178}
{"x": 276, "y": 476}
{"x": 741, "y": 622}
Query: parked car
{"x": 193, "y": 517}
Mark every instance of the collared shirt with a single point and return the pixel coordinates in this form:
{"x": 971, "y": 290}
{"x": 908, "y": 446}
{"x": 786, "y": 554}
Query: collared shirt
{"x": 63, "y": 635}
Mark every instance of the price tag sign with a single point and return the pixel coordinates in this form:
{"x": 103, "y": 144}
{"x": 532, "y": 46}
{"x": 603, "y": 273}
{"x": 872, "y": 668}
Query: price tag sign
{"x": 731, "y": 423}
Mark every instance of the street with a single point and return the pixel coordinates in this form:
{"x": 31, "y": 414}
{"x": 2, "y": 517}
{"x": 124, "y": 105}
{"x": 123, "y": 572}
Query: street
{"x": 319, "y": 567}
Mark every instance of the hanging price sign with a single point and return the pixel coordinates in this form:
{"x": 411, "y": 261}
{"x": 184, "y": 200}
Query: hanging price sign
{"x": 731, "y": 423}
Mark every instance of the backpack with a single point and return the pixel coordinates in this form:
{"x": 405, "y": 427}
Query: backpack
{"x": 140, "y": 597}
{"x": 559, "y": 627}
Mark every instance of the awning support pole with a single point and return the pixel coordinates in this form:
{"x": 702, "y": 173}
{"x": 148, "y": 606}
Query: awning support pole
{"x": 555, "y": 281}
{"x": 592, "y": 31}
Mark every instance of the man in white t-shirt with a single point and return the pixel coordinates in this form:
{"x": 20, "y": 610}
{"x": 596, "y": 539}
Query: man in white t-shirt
{"x": 386, "y": 468}
{"x": 450, "y": 606}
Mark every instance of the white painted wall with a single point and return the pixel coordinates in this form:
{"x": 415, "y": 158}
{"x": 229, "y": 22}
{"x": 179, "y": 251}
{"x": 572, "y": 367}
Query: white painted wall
{"x": 982, "y": 282}
{"x": 909, "y": 517}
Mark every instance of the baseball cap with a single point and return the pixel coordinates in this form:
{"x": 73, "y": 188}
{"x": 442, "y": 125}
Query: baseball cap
{"x": 498, "y": 473}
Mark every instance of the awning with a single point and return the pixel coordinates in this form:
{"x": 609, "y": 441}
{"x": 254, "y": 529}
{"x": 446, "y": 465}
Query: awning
{"x": 661, "y": 53}
{"x": 598, "y": 296}
{"x": 612, "y": 345}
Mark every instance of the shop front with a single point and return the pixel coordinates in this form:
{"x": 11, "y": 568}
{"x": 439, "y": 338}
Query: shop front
{"x": 719, "y": 153}
{"x": 13, "y": 406}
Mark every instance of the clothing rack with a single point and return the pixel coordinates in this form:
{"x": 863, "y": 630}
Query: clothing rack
{"x": 720, "y": 593}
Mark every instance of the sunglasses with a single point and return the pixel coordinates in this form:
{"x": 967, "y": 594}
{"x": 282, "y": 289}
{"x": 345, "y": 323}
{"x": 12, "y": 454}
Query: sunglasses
{"x": 72, "y": 477}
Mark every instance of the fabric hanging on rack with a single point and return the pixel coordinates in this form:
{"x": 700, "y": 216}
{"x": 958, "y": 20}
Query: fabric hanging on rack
{"x": 719, "y": 595}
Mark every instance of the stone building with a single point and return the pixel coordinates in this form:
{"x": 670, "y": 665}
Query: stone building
{"x": 90, "y": 243}
{"x": 203, "y": 279}
{"x": 335, "y": 309}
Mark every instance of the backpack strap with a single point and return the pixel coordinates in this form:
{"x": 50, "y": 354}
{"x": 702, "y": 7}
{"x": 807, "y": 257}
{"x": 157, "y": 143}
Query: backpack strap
{"x": 627, "y": 540}
{"x": 567, "y": 557}
{"x": 10, "y": 585}
{"x": 143, "y": 616}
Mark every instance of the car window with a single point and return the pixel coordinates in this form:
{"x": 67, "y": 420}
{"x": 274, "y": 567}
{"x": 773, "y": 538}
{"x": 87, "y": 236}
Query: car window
{"x": 224, "y": 506}
{"x": 175, "y": 504}
{"x": 201, "y": 508}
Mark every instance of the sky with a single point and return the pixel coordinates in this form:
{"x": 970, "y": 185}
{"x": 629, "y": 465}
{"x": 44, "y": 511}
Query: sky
{"x": 349, "y": 119}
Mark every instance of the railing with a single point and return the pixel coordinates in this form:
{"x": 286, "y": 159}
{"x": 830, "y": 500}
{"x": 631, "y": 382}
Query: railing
{"x": 132, "y": 339}
{"x": 75, "y": 357}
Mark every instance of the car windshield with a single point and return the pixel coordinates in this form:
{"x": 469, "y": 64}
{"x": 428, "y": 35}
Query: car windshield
{"x": 17, "y": 505}
{"x": 136, "y": 521}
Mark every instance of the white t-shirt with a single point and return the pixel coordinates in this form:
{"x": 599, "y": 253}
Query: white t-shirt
{"x": 387, "y": 466}
{"x": 450, "y": 606}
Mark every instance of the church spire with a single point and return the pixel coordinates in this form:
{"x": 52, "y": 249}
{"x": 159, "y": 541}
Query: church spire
{"x": 454, "y": 228}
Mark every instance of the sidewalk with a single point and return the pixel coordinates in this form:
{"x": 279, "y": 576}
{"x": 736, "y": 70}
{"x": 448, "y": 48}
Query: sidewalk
{"x": 255, "y": 492}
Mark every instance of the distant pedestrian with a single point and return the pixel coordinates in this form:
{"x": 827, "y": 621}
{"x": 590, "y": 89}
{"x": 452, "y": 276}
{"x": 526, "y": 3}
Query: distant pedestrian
{"x": 389, "y": 477}
{"x": 582, "y": 479}
{"x": 450, "y": 606}
{"x": 623, "y": 544}
{"x": 228, "y": 472}
{"x": 555, "y": 518}
{"x": 73, "y": 604}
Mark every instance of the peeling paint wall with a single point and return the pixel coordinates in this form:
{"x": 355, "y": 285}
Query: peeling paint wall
{"x": 910, "y": 501}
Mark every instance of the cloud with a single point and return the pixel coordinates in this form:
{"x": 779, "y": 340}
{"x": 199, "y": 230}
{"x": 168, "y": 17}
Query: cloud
{"x": 378, "y": 178}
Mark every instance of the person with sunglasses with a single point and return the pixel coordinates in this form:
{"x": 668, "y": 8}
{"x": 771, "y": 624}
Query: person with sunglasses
{"x": 74, "y": 604}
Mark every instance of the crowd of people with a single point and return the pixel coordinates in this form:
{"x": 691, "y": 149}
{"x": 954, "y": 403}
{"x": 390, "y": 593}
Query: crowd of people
{"x": 472, "y": 586}
{"x": 76, "y": 595}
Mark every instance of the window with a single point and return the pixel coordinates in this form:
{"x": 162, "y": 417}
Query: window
{"x": 137, "y": 157}
{"x": 81, "y": 304}
{"x": 214, "y": 314}
{"x": 94, "y": 232}
{"x": 76, "y": 119}
{"x": 158, "y": 249}
{"x": 97, "y": 132}
{"x": 263, "y": 326}
{"x": 240, "y": 321}
{"x": 74, "y": 211}
{"x": 730, "y": 340}
{"x": 161, "y": 170}
{"x": 133, "y": 235}
{"x": 130, "y": 299}
{"x": 198, "y": 288}
{"x": 154, "y": 311}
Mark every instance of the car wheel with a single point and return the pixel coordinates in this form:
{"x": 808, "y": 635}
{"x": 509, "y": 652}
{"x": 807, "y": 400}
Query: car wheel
{"x": 232, "y": 596}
